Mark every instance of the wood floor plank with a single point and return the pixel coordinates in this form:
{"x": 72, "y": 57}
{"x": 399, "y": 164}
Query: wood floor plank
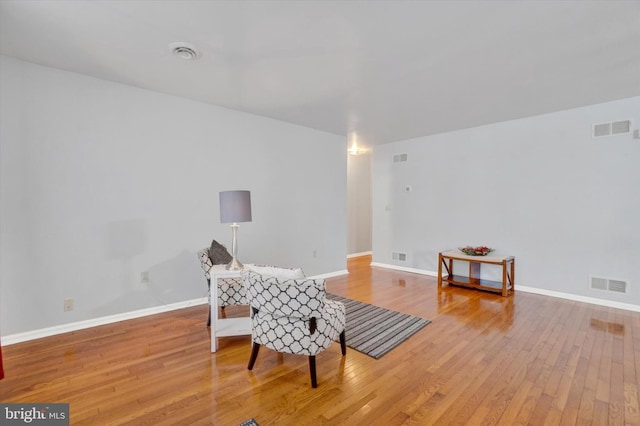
{"x": 631, "y": 408}
{"x": 525, "y": 359}
{"x": 631, "y": 379}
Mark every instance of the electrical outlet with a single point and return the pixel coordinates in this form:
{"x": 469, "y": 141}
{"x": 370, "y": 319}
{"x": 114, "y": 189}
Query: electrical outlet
{"x": 144, "y": 277}
{"x": 68, "y": 305}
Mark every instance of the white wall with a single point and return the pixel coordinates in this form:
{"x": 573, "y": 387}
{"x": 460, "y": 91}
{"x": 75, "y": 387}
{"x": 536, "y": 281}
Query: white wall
{"x": 101, "y": 181}
{"x": 565, "y": 204}
{"x": 359, "y": 203}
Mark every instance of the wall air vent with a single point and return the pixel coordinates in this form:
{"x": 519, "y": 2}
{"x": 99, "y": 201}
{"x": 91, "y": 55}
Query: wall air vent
{"x": 609, "y": 284}
{"x": 400, "y": 158}
{"x": 618, "y": 286}
{"x": 614, "y": 128}
{"x": 599, "y": 283}
{"x": 603, "y": 129}
{"x": 401, "y": 257}
{"x": 621, "y": 127}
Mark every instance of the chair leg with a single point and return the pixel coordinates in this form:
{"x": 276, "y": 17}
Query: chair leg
{"x": 343, "y": 342}
{"x": 254, "y": 355}
{"x": 312, "y": 370}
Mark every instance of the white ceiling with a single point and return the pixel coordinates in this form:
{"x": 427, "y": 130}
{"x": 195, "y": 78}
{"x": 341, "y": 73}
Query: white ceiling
{"x": 387, "y": 70}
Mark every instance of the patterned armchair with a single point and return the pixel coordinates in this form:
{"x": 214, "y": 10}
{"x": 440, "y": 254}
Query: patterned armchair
{"x": 230, "y": 290}
{"x": 293, "y": 316}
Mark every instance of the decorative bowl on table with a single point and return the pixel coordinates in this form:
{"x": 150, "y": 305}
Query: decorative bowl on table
{"x": 476, "y": 251}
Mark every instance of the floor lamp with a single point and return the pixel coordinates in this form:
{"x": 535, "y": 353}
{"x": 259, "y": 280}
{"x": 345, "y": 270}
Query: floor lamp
{"x": 235, "y": 206}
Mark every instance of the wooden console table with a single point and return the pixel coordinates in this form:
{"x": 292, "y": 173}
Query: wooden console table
{"x": 446, "y": 258}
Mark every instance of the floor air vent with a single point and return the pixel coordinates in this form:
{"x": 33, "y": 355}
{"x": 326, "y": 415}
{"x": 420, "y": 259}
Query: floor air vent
{"x": 608, "y": 284}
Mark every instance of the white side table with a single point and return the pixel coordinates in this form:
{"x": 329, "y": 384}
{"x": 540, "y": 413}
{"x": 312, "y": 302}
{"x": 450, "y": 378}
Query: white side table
{"x": 221, "y": 327}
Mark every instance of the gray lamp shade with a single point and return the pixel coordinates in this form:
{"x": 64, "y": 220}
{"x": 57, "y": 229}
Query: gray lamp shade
{"x": 235, "y": 206}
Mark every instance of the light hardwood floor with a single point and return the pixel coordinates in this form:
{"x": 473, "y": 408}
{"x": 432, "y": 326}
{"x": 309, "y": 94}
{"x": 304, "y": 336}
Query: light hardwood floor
{"x": 485, "y": 359}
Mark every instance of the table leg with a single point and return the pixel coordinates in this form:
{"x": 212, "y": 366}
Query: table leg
{"x": 504, "y": 279}
{"x": 213, "y": 306}
{"x": 439, "y": 271}
{"x": 513, "y": 277}
{"x": 474, "y": 273}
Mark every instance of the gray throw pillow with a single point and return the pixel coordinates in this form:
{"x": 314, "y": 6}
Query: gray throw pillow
{"x": 219, "y": 254}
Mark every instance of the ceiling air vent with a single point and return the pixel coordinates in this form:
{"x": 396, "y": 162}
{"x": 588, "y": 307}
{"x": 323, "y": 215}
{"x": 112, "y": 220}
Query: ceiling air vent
{"x": 609, "y": 284}
{"x": 184, "y": 51}
{"x": 614, "y": 128}
{"x": 400, "y": 158}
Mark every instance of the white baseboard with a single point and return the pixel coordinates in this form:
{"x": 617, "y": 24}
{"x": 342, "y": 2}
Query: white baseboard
{"x": 567, "y": 296}
{"x": 364, "y": 253}
{"x": 65, "y": 328}
{"x": 79, "y": 325}
{"x": 330, "y": 275}
{"x": 405, "y": 269}
{"x": 576, "y": 298}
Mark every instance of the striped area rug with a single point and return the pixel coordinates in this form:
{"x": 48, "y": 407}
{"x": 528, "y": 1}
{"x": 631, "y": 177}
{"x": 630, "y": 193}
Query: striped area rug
{"x": 375, "y": 331}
